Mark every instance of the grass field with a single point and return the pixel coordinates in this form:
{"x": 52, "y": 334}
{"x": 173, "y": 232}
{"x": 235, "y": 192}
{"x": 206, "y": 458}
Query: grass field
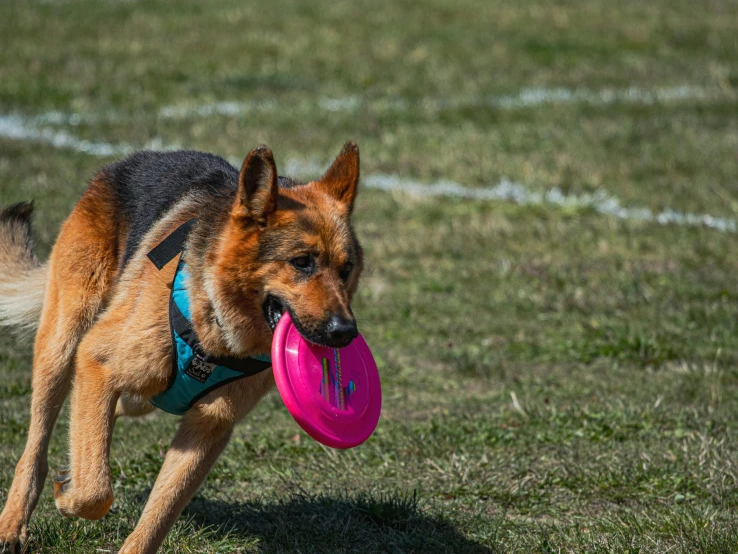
{"x": 556, "y": 379}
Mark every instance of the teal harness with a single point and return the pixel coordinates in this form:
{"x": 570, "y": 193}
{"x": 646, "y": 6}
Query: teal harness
{"x": 195, "y": 373}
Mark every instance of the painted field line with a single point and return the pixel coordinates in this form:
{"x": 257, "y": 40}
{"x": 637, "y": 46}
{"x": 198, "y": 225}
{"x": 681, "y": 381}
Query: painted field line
{"x": 516, "y": 193}
{"x": 510, "y": 191}
{"x": 18, "y": 128}
{"x": 632, "y": 95}
{"x": 525, "y": 98}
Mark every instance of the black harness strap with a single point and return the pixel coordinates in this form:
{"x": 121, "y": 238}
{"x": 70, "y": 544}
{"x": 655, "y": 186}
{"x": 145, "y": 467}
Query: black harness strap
{"x": 167, "y": 250}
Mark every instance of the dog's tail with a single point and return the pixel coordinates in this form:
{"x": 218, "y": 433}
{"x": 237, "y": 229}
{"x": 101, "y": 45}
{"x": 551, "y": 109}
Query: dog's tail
{"x": 22, "y": 276}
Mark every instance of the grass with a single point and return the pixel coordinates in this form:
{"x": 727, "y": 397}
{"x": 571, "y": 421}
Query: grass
{"x": 555, "y": 380}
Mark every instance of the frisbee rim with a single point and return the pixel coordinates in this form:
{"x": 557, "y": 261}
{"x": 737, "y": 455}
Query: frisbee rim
{"x": 365, "y": 422}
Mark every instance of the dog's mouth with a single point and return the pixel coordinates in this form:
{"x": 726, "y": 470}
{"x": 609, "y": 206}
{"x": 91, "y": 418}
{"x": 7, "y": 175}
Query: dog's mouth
{"x": 274, "y": 309}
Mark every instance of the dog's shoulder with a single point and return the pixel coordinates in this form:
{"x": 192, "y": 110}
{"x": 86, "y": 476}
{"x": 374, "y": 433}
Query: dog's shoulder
{"x": 147, "y": 184}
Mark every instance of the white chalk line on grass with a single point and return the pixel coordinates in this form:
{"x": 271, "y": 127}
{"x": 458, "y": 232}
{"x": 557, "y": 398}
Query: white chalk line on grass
{"x": 510, "y": 191}
{"x": 525, "y": 98}
{"x": 18, "y": 128}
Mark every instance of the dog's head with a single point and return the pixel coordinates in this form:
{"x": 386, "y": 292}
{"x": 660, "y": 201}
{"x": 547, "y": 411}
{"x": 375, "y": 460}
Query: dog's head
{"x": 292, "y": 248}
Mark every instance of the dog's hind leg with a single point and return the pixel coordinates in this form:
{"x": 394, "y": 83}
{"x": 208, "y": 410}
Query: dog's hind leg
{"x": 82, "y": 269}
{"x": 55, "y": 345}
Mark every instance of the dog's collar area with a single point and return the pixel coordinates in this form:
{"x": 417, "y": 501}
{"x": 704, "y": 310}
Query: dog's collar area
{"x": 181, "y": 326}
{"x": 195, "y": 373}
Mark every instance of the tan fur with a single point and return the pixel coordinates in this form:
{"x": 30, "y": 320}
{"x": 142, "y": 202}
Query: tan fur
{"x": 86, "y": 304}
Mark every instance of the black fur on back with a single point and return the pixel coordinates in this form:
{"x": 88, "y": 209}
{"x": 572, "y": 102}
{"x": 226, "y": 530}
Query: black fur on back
{"x": 147, "y": 184}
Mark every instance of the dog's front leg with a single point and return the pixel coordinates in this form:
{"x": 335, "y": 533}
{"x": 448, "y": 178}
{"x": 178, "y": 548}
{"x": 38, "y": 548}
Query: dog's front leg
{"x": 201, "y": 437}
{"x": 84, "y": 489}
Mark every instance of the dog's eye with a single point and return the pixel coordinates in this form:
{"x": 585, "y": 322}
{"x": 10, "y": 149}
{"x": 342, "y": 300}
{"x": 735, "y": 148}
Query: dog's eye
{"x": 346, "y": 271}
{"x": 303, "y": 263}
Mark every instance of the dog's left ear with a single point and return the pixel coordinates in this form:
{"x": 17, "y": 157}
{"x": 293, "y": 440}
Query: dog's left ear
{"x": 257, "y": 186}
{"x": 342, "y": 178}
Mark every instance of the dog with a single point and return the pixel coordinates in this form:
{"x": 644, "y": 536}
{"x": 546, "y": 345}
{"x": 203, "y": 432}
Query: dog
{"x": 255, "y": 245}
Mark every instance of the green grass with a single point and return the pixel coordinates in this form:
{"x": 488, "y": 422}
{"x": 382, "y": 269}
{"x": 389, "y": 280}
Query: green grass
{"x": 555, "y": 380}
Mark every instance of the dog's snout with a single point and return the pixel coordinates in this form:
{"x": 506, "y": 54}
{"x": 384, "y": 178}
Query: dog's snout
{"x": 341, "y": 330}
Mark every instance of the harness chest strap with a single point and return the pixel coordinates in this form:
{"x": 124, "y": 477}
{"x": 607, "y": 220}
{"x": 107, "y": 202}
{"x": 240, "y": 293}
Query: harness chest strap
{"x": 195, "y": 373}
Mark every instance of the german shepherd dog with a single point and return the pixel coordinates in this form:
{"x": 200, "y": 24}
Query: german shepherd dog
{"x": 260, "y": 245}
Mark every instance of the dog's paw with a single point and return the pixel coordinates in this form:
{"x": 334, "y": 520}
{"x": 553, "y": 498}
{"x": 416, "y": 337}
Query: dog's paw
{"x": 72, "y": 501}
{"x": 9, "y": 547}
{"x": 10, "y": 543}
{"x": 12, "y": 535}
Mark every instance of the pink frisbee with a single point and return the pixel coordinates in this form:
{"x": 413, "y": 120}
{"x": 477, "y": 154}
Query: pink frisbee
{"x": 334, "y": 395}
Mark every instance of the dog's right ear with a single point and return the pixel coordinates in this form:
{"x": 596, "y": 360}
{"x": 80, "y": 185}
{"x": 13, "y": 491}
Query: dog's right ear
{"x": 257, "y": 186}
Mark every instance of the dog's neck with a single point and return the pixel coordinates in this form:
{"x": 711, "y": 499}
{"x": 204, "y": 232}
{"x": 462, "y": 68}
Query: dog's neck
{"x": 224, "y": 331}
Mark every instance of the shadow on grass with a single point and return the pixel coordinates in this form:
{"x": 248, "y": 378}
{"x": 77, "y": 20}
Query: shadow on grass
{"x": 333, "y": 523}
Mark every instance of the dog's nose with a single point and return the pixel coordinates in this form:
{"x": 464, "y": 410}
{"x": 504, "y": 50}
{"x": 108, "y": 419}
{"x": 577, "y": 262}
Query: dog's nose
{"x": 341, "y": 330}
